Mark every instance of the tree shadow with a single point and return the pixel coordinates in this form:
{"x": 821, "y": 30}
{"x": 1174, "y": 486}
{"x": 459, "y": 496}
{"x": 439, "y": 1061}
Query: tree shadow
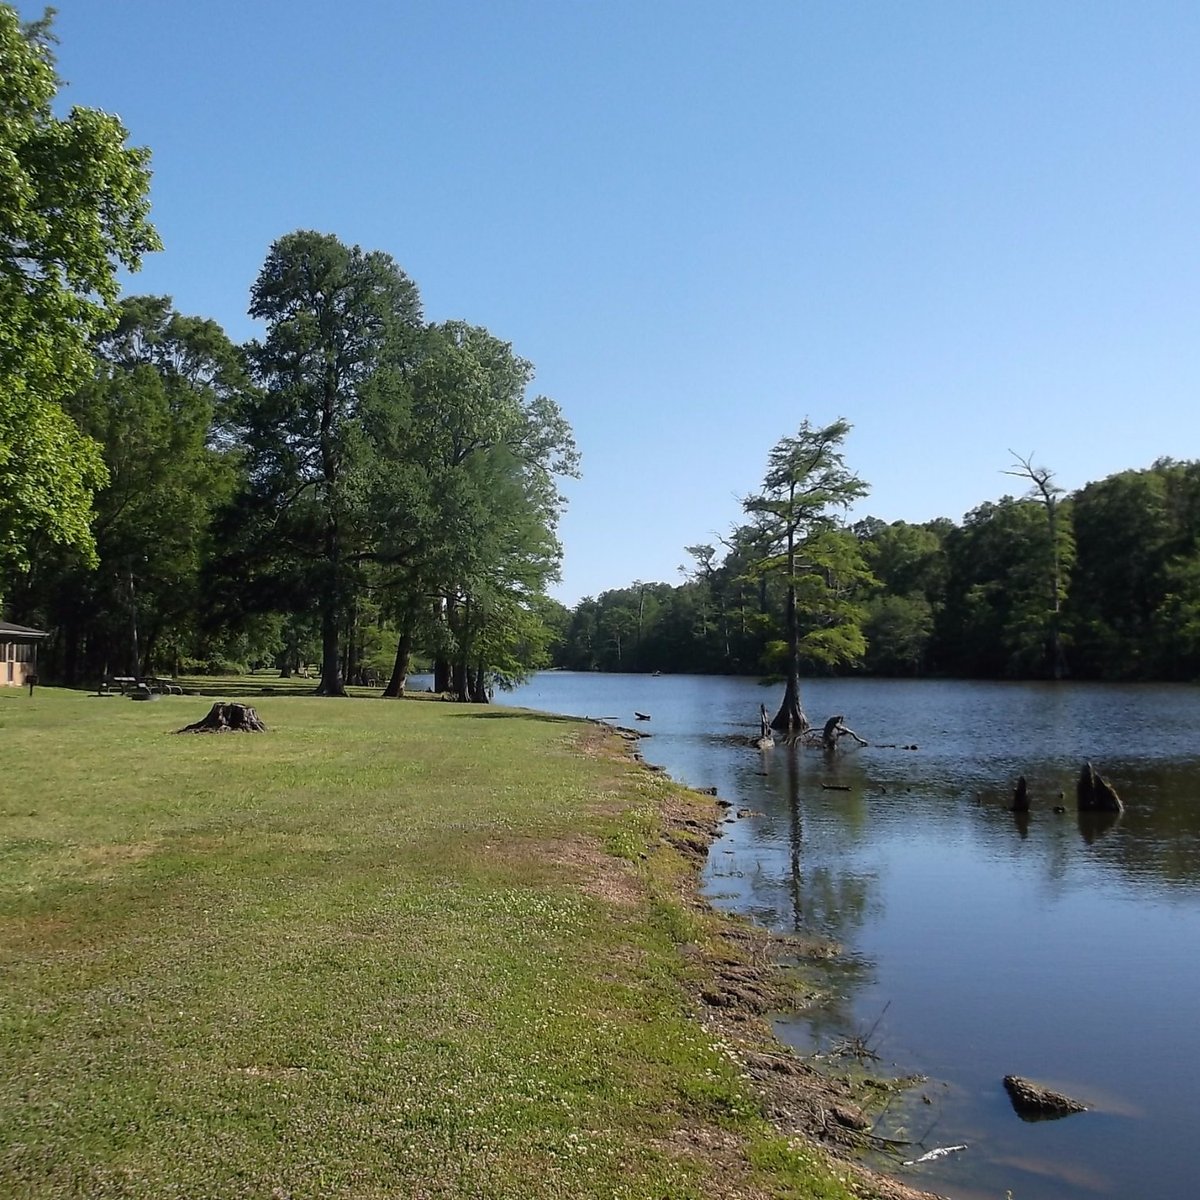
{"x": 527, "y": 714}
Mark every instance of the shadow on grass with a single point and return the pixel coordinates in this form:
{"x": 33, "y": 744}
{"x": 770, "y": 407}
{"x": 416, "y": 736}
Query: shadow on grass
{"x": 243, "y": 689}
{"x": 526, "y": 714}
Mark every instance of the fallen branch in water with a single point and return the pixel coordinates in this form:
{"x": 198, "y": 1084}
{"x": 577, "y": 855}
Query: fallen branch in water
{"x": 940, "y": 1152}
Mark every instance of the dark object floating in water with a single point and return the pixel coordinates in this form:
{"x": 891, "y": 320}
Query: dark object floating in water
{"x": 1032, "y": 1102}
{"x": 641, "y": 716}
{"x": 835, "y": 787}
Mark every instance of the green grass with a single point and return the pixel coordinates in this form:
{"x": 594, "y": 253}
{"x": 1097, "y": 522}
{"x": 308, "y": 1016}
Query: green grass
{"x": 385, "y": 950}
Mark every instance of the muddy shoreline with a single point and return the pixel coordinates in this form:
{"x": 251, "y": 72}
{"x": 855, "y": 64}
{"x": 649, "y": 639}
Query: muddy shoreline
{"x": 743, "y": 980}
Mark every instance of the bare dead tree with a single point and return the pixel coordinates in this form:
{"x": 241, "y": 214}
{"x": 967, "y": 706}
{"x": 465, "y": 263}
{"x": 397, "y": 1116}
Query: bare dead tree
{"x": 1046, "y": 491}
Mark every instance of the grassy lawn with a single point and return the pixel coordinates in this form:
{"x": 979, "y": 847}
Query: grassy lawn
{"x": 388, "y": 949}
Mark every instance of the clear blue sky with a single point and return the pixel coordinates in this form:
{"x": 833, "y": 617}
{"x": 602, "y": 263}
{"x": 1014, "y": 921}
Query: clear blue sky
{"x": 964, "y": 226}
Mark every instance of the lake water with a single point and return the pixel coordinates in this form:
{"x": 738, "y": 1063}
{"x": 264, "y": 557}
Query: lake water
{"x": 976, "y": 944}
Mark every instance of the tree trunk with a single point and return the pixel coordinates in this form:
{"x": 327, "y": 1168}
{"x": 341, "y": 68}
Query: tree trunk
{"x": 395, "y": 687}
{"x": 353, "y": 649}
{"x": 459, "y": 684}
{"x": 151, "y": 649}
{"x": 478, "y": 686}
{"x": 332, "y": 683}
{"x": 441, "y": 675}
{"x": 70, "y": 668}
{"x": 790, "y": 718}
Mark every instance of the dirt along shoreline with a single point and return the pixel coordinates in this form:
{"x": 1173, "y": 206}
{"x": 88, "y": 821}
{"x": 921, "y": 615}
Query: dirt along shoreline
{"x": 740, "y": 979}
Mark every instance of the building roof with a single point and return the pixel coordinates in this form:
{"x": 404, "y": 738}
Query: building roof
{"x": 9, "y": 632}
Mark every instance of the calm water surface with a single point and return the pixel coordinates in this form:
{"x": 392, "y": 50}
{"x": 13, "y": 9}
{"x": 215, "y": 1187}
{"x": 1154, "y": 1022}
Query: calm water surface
{"x": 977, "y": 945}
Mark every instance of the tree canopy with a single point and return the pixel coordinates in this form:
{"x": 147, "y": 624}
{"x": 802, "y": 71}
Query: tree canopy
{"x": 796, "y": 527}
{"x": 73, "y": 208}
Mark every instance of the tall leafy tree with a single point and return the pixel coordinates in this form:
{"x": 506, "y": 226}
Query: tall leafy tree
{"x": 996, "y": 621}
{"x": 795, "y": 513}
{"x": 158, "y": 380}
{"x": 908, "y": 562}
{"x": 343, "y": 327}
{"x": 73, "y": 208}
{"x": 1138, "y": 538}
{"x": 492, "y": 456}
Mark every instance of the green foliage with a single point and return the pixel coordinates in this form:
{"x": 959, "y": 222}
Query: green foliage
{"x": 1114, "y": 578}
{"x": 73, "y": 208}
{"x": 897, "y": 631}
{"x": 489, "y": 505}
{"x": 797, "y": 535}
{"x": 343, "y": 328}
{"x": 1131, "y": 611}
{"x": 997, "y": 617}
{"x": 153, "y": 421}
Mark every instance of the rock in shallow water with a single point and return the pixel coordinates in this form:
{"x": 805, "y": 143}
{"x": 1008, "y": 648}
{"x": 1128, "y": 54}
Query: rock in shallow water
{"x": 1032, "y": 1102}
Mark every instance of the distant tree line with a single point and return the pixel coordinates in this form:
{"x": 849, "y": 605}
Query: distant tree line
{"x": 1103, "y": 583}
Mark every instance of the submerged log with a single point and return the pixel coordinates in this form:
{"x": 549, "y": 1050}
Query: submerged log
{"x": 1032, "y": 1102}
{"x": 225, "y": 717}
{"x": 1095, "y": 794}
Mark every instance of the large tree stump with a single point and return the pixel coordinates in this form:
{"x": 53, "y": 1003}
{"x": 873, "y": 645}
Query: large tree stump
{"x": 226, "y": 717}
{"x": 1020, "y": 802}
{"x": 1095, "y": 794}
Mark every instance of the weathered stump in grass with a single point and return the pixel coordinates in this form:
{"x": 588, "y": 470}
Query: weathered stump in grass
{"x": 226, "y": 717}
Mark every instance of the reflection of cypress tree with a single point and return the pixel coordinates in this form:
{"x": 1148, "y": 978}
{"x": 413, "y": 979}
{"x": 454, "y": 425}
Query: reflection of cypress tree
{"x": 796, "y": 840}
{"x": 822, "y": 897}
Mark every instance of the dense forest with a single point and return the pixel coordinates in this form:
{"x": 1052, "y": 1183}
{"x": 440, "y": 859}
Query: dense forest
{"x": 359, "y": 489}
{"x": 1103, "y": 583}
{"x": 353, "y": 485}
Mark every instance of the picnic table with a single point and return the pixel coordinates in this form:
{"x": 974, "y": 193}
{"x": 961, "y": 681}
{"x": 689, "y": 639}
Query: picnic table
{"x": 127, "y": 685}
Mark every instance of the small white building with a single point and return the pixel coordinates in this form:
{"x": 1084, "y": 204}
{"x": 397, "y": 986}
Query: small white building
{"x": 18, "y": 653}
